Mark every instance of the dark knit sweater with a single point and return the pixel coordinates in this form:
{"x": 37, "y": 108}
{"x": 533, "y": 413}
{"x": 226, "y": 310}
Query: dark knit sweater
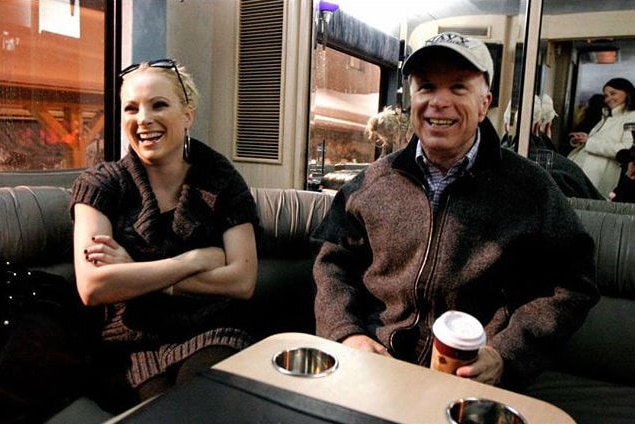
{"x": 504, "y": 246}
{"x": 214, "y": 198}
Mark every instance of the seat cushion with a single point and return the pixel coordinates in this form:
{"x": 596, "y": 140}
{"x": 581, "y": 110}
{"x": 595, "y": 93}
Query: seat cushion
{"x": 82, "y": 410}
{"x": 588, "y": 401}
{"x": 283, "y": 300}
{"x": 604, "y": 347}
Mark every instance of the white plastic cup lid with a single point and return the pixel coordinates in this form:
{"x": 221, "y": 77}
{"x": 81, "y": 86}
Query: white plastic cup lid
{"x": 459, "y": 330}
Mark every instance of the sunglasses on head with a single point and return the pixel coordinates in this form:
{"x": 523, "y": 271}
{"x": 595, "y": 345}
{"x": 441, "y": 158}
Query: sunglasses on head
{"x": 159, "y": 63}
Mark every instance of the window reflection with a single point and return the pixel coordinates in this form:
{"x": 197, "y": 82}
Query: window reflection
{"x": 51, "y": 84}
{"x": 346, "y": 95}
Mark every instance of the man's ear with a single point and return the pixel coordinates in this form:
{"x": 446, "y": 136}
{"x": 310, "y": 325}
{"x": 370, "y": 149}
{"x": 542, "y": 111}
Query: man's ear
{"x": 486, "y": 102}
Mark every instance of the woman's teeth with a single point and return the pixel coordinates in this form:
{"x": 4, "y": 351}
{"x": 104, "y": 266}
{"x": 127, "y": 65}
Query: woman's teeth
{"x": 151, "y": 136}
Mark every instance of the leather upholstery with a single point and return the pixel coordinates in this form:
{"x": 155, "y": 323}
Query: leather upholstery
{"x": 594, "y": 377}
{"x": 36, "y": 231}
{"x": 614, "y": 235}
{"x": 287, "y": 217}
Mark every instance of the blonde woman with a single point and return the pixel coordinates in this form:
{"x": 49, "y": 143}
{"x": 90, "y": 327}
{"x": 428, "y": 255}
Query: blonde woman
{"x": 164, "y": 243}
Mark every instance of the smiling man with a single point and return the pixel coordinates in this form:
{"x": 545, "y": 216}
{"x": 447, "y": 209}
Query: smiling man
{"x": 452, "y": 222}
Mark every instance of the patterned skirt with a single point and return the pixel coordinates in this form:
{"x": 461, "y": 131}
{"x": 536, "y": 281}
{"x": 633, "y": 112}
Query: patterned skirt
{"x": 145, "y": 364}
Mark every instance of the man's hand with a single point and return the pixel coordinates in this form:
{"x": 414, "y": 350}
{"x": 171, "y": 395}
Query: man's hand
{"x": 487, "y": 369}
{"x": 362, "y": 342}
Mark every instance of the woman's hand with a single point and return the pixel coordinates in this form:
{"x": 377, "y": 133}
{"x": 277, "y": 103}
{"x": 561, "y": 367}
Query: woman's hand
{"x": 105, "y": 250}
{"x": 487, "y": 369}
{"x": 362, "y": 342}
{"x": 577, "y": 138}
{"x": 105, "y": 272}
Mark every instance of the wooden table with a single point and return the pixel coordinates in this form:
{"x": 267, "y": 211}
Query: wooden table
{"x": 384, "y": 387}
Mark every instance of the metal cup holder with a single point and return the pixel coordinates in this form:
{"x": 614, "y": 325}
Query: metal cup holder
{"x": 305, "y": 362}
{"x": 482, "y": 411}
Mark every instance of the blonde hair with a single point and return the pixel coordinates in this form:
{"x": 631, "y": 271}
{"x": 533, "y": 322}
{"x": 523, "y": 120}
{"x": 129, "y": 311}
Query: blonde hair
{"x": 387, "y": 129}
{"x": 170, "y": 73}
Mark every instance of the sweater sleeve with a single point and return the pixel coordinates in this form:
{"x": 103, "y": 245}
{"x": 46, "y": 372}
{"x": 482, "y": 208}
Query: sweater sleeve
{"x": 98, "y": 188}
{"x": 538, "y": 325}
{"x": 237, "y": 204}
{"x": 338, "y": 271}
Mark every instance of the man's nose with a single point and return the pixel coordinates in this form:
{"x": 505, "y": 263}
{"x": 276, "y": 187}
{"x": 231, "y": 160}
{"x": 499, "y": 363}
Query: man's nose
{"x": 440, "y": 98}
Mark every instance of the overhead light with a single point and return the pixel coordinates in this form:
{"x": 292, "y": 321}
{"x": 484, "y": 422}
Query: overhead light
{"x": 326, "y": 6}
{"x": 605, "y": 56}
{"x": 599, "y": 54}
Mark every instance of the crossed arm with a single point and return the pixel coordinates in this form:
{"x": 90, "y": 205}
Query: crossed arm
{"x": 106, "y": 273}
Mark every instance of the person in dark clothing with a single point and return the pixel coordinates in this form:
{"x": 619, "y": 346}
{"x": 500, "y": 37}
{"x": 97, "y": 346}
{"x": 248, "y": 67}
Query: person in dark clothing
{"x": 569, "y": 177}
{"x": 625, "y": 189}
{"x": 454, "y": 222}
{"x": 567, "y": 174}
{"x": 164, "y": 241}
{"x": 591, "y": 114}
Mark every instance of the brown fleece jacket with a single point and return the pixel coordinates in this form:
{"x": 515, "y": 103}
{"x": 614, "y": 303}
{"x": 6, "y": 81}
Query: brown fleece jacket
{"x": 504, "y": 246}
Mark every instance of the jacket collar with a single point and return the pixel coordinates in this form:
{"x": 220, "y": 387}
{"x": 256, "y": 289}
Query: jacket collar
{"x": 489, "y": 152}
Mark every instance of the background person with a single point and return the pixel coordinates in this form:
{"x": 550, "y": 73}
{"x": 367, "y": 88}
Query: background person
{"x": 625, "y": 189}
{"x": 571, "y": 180}
{"x": 163, "y": 241}
{"x": 453, "y": 221}
{"x": 589, "y": 115}
{"x": 595, "y": 152}
{"x": 388, "y": 130}
{"x": 547, "y": 115}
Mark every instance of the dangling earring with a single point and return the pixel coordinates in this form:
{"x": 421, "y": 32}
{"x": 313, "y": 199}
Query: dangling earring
{"x": 186, "y": 146}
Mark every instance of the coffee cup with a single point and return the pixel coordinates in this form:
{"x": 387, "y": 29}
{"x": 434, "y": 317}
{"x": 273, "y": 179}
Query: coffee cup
{"x": 457, "y": 339}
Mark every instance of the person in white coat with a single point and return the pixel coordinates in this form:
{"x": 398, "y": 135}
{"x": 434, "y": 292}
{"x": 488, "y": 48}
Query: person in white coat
{"x": 595, "y": 152}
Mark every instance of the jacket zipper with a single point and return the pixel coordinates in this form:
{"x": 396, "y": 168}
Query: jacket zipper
{"x": 427, "y": 285}
{"x": 421, "y": 268}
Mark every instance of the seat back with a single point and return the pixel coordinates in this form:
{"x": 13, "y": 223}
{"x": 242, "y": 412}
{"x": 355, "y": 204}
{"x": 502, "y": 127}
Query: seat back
{"x": 612, "y": 226}
{"x": 287, "y": 217}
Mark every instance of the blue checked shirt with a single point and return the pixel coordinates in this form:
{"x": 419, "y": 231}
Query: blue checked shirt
{"x": 436, "y": 182}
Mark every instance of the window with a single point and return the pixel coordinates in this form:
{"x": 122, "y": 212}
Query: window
{"x": 52, "y": 79}
{"x": 346, "y": 95}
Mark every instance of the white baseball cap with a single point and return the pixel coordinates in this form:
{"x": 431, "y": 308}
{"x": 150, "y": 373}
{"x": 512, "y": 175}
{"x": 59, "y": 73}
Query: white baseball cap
{"x": 473, "y": 50}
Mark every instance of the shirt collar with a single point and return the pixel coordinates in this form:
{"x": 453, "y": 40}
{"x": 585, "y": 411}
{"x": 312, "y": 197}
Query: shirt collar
{"x": 466, "y": 161}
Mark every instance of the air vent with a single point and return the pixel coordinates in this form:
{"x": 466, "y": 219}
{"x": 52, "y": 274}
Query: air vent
{"x": 483, "y": 32}
{"x": 259, "y": 81}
